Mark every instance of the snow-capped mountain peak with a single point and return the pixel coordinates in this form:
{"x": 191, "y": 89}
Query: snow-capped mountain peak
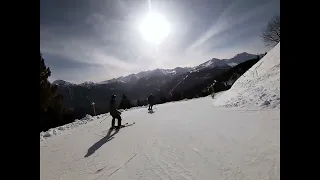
{"x": 87, "y": 83}
{"x": 240, "y": 58}
{"x": 62, "y": 83}
{"x": 133, "y": 78}
{"x": 207, "y": 64}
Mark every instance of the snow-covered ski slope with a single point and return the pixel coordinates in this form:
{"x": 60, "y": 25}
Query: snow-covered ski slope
{"x": 182, "y": 140}
{"x": 259, "y": 87}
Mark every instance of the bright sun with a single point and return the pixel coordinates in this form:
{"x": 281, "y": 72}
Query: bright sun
{"x": 154, "y": 28}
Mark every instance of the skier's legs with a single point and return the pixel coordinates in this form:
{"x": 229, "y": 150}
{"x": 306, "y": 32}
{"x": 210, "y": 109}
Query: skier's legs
{"x": 119, "y": 120}
{"x": 113, "y": 121}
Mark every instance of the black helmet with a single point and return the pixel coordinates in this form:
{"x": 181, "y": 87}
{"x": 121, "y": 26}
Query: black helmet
{"x": 113, "y": 96}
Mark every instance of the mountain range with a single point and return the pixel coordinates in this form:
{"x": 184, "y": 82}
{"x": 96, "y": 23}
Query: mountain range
{"x": 133, "y": 78}
{"x": 138, "y": 86}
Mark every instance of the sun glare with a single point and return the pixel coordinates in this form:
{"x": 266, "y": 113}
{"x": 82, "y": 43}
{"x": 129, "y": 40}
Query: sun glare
{"x": 154, "y": 28}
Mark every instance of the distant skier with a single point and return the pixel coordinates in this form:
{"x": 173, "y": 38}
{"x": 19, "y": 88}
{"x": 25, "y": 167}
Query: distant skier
{"x": 150, "y": 101}
{"x": 114, "y": 112}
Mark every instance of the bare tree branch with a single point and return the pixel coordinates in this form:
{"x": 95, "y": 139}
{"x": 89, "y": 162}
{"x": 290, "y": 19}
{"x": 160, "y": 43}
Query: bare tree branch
{"x": 271, "y": 34}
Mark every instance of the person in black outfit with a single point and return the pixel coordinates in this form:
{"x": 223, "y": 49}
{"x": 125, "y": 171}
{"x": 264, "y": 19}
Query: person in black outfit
{"x": 114, "y": 112}
{"x": 150, "y": 101}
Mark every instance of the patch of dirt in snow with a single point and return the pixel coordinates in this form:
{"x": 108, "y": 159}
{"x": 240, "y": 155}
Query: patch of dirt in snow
{"x": 259, "y": 87}
{"x": 58, "y": 130}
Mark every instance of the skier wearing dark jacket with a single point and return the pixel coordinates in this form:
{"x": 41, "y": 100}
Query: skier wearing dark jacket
{"x": 114, "y": 112}
{"x": 150, "y": 101}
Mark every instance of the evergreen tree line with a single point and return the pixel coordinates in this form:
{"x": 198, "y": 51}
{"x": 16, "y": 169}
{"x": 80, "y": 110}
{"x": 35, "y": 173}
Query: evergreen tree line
{"x": 52, "y": 113}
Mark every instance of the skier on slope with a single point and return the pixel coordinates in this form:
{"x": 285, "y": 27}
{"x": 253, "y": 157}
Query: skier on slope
{"x": 114, "y": 112}
{"x": 150, "y": 101}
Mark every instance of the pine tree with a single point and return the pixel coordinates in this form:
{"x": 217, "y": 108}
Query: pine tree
{"x": 44, "y": 85}
{"x": 139, "y": 103}
{"x": 125, "y": 103}
{"x": 51, "y": 108}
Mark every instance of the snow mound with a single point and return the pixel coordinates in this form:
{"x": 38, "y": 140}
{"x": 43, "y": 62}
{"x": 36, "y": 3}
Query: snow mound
{"x": 259, "y": 87}
{"x": 58, "y": 130}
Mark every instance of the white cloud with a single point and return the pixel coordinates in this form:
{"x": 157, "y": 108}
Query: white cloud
{"x": 227, "y": 20}
{"x": 115, "y": 48}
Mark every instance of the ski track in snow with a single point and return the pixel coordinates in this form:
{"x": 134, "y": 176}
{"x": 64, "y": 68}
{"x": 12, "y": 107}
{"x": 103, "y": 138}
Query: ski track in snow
{"x": 184, "y": 140}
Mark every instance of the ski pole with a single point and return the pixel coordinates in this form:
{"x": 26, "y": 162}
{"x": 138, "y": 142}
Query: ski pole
{"x": 104, "y": 118}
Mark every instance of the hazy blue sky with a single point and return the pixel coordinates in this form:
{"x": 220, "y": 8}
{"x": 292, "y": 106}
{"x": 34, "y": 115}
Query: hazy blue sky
{"x": 96, "y": 40}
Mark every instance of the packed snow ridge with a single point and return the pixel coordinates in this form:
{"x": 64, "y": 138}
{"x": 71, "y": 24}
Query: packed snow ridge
{"x": 59, "y": 130}
{"x": 259, "y": 87}
{"x": 88, "y": 118}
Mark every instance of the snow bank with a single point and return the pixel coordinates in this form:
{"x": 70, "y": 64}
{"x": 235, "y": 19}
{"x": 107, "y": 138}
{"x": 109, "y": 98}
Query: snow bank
{"x": 88, "y": 118}
{"x": 58, "y": 130}
{"x": 259, "y": 87}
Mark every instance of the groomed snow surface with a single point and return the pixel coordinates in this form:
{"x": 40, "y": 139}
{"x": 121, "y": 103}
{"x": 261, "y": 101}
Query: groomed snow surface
{"x": 259, "y": 87}
{"x": 183, "y": 140}
{"x": 179, "y": 140}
